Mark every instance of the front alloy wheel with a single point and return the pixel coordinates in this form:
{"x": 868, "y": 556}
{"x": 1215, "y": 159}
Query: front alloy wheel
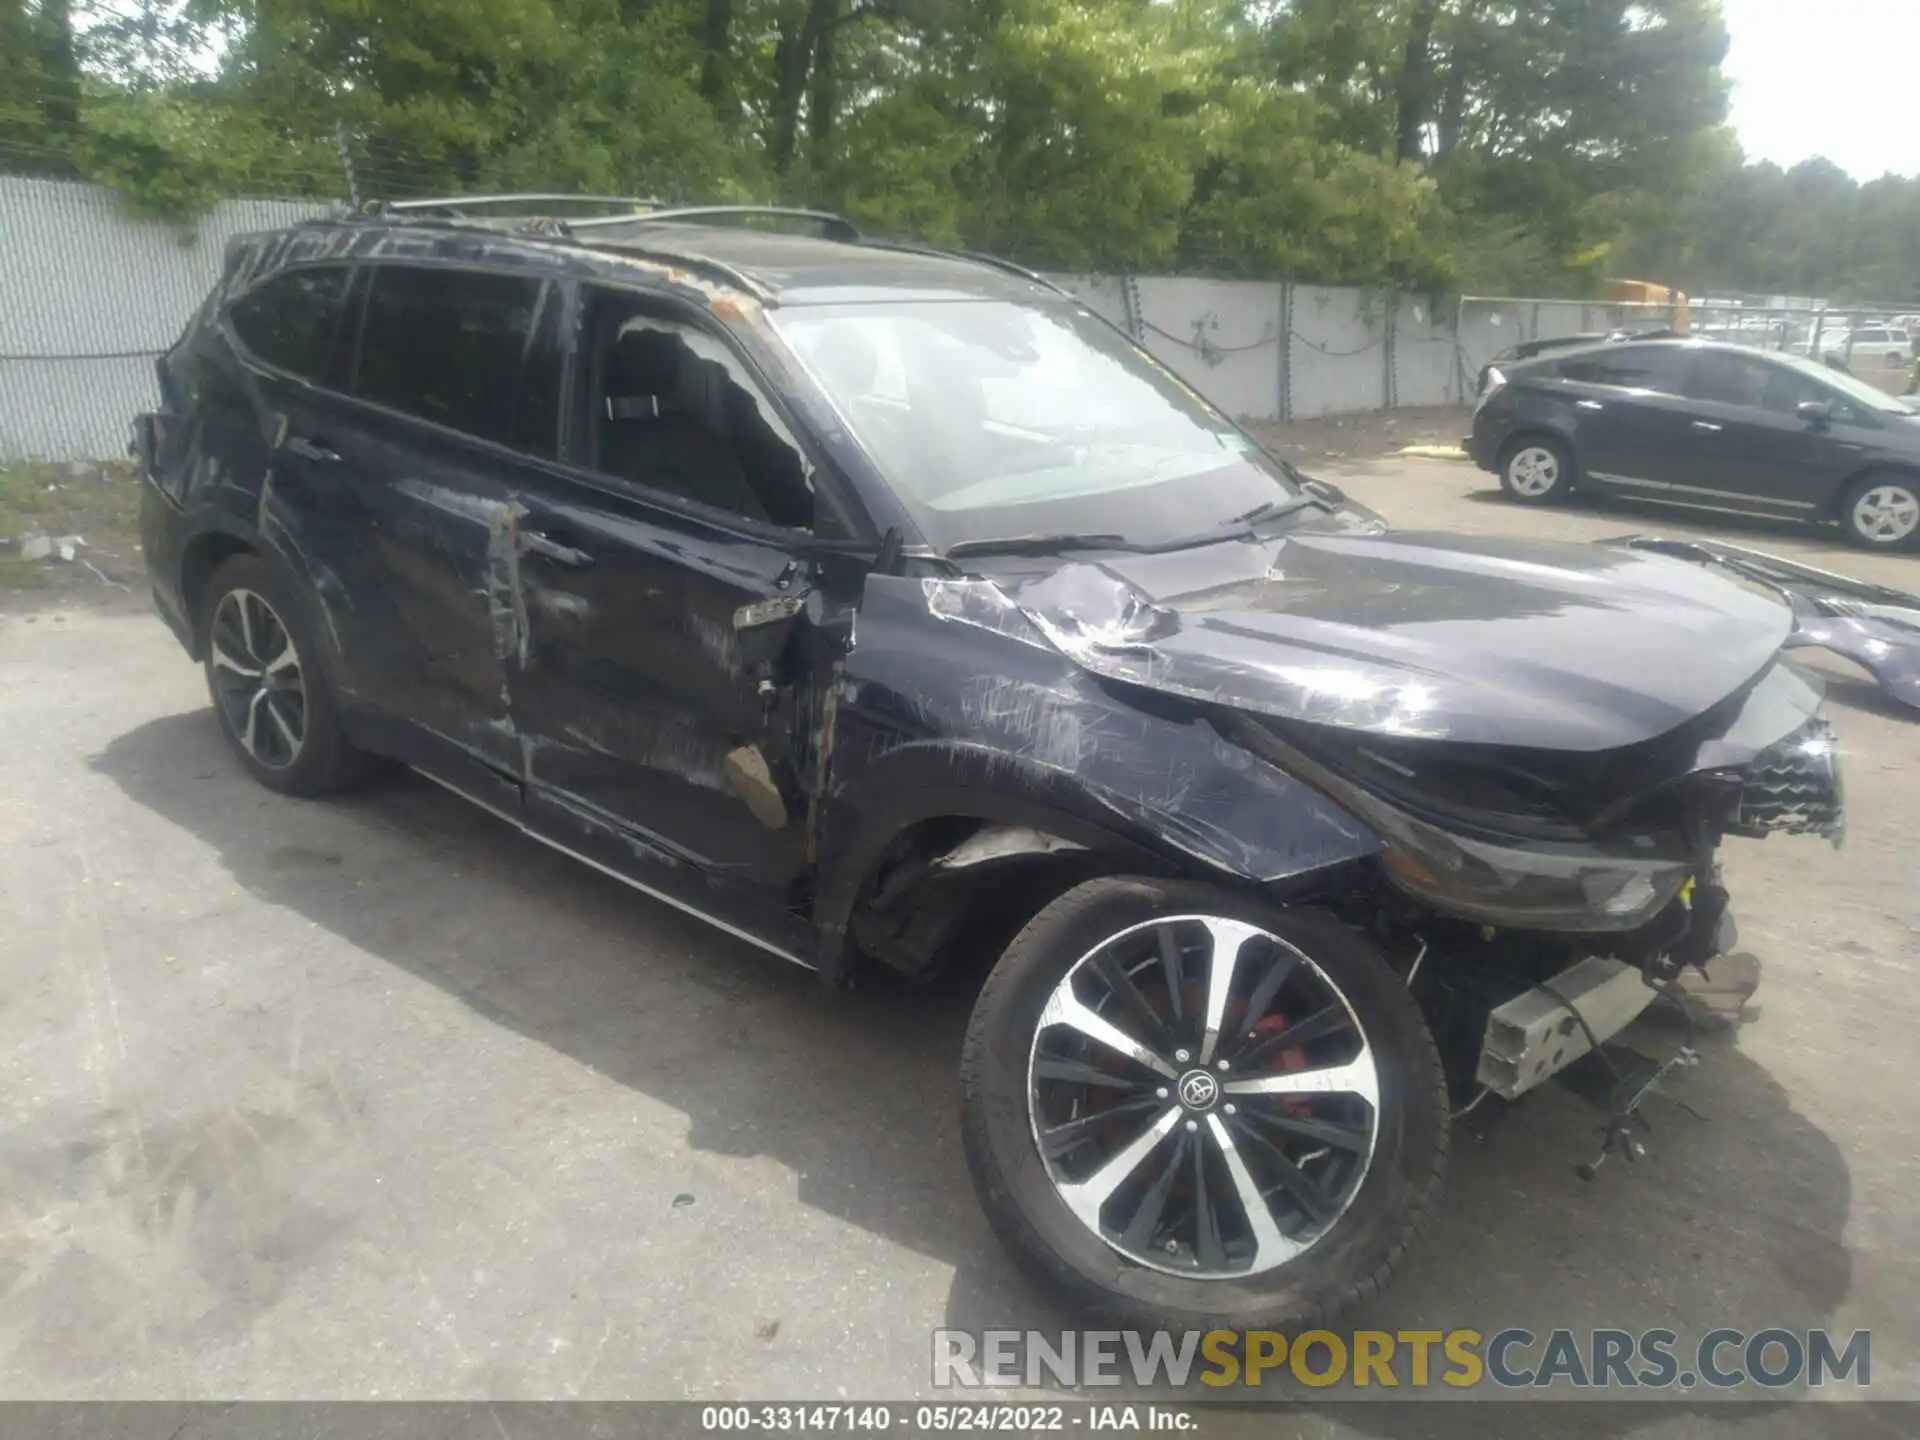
{"x": 1883, "y": 512}
{"x": 1225, "y": 1111}
{"x": 1265, "y": 1146}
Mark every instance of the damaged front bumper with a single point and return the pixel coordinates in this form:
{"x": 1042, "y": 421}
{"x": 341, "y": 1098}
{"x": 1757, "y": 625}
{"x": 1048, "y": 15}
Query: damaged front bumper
{"x": 1875, "y": 626}
{"x": 1773, "y": 767}
{"x": 1542, "y": 1031}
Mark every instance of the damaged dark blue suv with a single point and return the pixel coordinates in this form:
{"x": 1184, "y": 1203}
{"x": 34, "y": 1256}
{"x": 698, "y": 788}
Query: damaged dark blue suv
{"x": 884, "y": 606}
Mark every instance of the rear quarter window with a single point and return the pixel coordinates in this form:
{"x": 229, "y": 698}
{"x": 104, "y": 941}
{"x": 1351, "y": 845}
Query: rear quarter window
{"x": 296, "y": 321}
{"x": 1629, "y": 367}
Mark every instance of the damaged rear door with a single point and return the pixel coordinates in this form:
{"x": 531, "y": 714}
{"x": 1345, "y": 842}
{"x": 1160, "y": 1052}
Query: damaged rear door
{"x": 662, "y": 697}
{"x": 458, "y": 376}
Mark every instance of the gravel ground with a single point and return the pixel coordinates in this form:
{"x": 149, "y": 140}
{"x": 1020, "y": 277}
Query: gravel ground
{"x": 376, "y": 1098}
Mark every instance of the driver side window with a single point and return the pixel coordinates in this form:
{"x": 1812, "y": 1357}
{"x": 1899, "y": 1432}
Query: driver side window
{"x": 1787, "y": 390}
{"x": 672, "y": 410}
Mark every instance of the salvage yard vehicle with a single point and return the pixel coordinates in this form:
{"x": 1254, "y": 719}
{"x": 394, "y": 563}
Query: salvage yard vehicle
{"x": 878, "y": 604}
{"x": 1706, "y": 426}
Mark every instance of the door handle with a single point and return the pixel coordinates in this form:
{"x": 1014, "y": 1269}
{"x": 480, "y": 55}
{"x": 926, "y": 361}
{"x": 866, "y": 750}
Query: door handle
{"x": 538, "y": 544}
{"x": 315, "y": 450}
{"x": 1589, "y": 404}
{"x": 1706, "y": 425}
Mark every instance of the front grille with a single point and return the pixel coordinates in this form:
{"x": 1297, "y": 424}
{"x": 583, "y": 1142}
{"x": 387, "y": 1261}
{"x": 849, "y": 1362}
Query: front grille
{"x": 1793, "y": 787}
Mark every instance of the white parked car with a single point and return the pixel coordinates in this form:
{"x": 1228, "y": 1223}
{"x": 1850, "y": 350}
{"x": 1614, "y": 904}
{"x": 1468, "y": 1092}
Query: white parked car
{"x": 1871, "y": 347}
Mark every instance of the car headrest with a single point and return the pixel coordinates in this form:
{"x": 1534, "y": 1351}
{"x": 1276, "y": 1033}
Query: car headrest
{"x": 645, "y": 363}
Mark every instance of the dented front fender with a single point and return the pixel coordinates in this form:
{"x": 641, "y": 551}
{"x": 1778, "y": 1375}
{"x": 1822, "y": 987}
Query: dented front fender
{"x": 939, "y": 713}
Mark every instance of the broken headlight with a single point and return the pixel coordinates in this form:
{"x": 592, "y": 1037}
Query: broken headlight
{"x": 1542, "y": 884}
{"x": 1551, "y": 887}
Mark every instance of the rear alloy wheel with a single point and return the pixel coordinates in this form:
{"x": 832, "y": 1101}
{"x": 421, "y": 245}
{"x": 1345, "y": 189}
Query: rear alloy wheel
{"x": 1536, "y": 471}
{"x": 1189, "y": 1109}
{"x": 263, "y": 672}
{"x": 1882, "y": 512}
{"x": 257, "y": 680}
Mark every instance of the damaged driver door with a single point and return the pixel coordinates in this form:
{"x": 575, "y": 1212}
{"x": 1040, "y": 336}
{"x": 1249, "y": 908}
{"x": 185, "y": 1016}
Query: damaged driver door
{"x": 665, "y": 697}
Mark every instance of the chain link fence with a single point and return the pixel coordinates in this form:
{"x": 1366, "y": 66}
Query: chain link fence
{"x": 1268, "y": 350}
{"x": 90, "y": 296}
{"x": 88, "y": 299}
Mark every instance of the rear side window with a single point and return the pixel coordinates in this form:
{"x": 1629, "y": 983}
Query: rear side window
{"x": 293, "y": 321}
{"x": 462, "y": 348}
{"x": 1632, "y": 367}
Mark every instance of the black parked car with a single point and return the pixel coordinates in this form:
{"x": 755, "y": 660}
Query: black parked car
{"x": 1529, "y": 349}
{"x": 1709, "y": 426}
{"x": 881, "y": 606}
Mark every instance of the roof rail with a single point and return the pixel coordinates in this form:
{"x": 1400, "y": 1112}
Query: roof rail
{"x": 832, "y": 227}
{"x": 459, "y": 204}
{"x": 910, "y": 247}
{"x": 727, "y": 274}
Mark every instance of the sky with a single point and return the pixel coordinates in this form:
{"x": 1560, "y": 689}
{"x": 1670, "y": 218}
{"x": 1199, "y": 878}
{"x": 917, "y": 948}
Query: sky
{"x": 1839, "y": 78}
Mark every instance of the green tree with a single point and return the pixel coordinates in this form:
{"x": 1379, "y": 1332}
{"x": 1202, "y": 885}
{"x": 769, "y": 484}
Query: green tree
{"x": 1501, "y": 147}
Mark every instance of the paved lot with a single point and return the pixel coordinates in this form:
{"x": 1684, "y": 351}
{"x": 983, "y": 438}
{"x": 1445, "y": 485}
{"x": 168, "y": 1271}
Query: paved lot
{"x": 375, "y": 1098}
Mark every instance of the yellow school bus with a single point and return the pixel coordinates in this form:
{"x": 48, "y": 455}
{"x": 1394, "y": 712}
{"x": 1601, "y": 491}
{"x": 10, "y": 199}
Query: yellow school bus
{"x": 1645, "y": 292}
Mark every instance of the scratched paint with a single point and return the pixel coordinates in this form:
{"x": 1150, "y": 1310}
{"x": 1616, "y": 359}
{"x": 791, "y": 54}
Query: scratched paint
{"x": 960, "y": 687}
{"x": 506, "y": 599}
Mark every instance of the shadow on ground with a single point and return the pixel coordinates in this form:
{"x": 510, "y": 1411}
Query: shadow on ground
{"x": 1665, "y": 516}
{"x": 1734, "y": 1218}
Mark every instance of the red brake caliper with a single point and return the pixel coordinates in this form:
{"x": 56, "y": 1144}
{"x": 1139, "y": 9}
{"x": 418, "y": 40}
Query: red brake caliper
{"x": 1294, "y": 1057}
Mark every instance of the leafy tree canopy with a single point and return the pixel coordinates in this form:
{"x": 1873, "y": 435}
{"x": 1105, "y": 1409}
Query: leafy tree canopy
{"x": 1496, "y": 145}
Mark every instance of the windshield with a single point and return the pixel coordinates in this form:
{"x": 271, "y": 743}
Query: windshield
{"x": 1855, "y": 389}
{"x": 997, "y": 421}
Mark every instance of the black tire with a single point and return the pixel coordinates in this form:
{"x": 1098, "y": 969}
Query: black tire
{"x": 1891, "y": 495}
{"x": 1356, "y": 1253}
{"x": 1536, "y": 470}
{"x": 321, "y": 761}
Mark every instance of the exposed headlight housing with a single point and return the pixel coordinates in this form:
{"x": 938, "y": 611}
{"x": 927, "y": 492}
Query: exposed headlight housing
{"x": 1545, "y": 888}
{"x": 1571, "y": 885}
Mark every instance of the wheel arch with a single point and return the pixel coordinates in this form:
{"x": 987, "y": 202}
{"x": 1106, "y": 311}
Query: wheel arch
{"x": 200, "y": 558}
{"x": 1836, "y": 503}
{"x": 893, "y": 854}
{"x": 898, "y": 864}
{"x": 224, "y": 536}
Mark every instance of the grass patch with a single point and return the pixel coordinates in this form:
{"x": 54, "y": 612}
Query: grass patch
{"x": 18, "y": 574}
{"x": 98, "y": 501}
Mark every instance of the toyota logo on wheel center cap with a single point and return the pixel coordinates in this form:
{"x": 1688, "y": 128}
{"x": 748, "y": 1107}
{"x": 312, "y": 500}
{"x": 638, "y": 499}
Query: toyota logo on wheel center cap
{"x": 1198, "y": 1090}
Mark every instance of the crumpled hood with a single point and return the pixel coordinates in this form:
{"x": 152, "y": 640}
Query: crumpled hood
{"x": 1489, "y": 640}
